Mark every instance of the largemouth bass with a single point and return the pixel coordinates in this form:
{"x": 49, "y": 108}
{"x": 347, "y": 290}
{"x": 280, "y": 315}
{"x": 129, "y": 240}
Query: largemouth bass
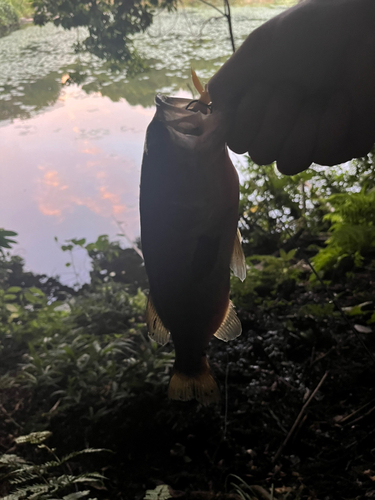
{"x": 189, "y": 212}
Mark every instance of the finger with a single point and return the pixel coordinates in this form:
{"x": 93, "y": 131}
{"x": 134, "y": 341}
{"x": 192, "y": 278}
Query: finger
{"x": 361, "y": 136}
{"x": 237, "y": 75}
{"x": 333, "y": 131}
{"x": 360, "y": 81}
{"x": 281, "y": 114}
{"x": 248, "y": 118}
{"x": 297, "y": 152}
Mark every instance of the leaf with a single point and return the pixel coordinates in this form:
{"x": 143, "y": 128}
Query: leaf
{"x": 30, "y": 298}
{"x": 80, "y": 242}
{"x": 76, "y": 495}
{"x": 7, "y": 233}
{"x": 11, "y": 308}
{"x": 161, "y": 492}
{"x": 34, "y": 437}
{"x": 6, "y": 242}
{"x": 10, "y": 296}
{"x": 9, "y": 459}
{"x": 85, "y": 452}
{"x": 14, "y": 289}
{"x": 61, "y": 307}
{"x": 357, "y": 309}
{"x": 363, "y": 329}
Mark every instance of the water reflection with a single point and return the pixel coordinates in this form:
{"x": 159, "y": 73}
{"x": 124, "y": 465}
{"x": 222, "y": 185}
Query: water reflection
{"x": 70, "y": 173}
{"x": 71, "y": 154}
{"x": 34, "y": 59}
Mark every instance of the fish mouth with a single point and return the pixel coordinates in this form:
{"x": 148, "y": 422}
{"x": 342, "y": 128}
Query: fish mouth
{"x": 176, "y": 102}
{"x": 177, "y": 114}
{"x": 174, "y": 112}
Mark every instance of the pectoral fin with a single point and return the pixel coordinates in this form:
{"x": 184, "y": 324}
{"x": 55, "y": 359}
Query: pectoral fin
{"x": 231, "y": 327}
{"x": 156, "y": 329}
{"x": 238, "y": 263}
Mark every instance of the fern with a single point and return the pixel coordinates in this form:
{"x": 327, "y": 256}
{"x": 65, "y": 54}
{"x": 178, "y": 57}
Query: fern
{"x": 45, "y": 481}
{"x": 268, "y": 272}
{"x": 161, "y": 492}
{"x": 352, "y": 229}
{"x": 34, "y": 437}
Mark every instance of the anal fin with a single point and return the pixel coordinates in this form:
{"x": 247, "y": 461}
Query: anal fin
{"x": 231, "y": 326}
{"x": 238, "y": 263}
{"x": 156, "y": 329}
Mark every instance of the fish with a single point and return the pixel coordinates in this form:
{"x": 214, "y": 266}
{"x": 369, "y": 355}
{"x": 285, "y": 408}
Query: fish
{"x": 189, "y": 195}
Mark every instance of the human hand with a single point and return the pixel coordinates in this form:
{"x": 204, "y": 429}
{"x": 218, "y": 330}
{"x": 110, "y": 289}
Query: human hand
{"x": 301, "y": 88}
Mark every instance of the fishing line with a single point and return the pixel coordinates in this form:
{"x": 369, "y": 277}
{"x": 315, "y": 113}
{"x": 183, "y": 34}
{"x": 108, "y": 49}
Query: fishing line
{"x": 132, "y": 244}
{"x": 226, "y": 398}
{"x": 334, "y": 301}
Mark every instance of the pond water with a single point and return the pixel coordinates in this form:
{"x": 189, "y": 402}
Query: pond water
{"x": 71, "y": 153}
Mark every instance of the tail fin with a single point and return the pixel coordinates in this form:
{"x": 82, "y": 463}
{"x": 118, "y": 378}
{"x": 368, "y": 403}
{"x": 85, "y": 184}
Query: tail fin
{"x": 202, "y": 387}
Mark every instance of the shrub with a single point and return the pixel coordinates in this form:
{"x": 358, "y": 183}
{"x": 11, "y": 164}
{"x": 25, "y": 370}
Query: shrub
{"x": 352, "y": 229}
{"x": 101, "y": 356}
{"x": 49, "y": 479}
{"x": 8, "y": 17}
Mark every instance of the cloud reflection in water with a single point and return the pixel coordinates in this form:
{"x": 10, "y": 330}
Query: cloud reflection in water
{"x": 70, "y": 172}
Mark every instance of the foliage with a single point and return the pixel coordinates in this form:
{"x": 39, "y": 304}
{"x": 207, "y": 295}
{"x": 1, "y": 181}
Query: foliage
{"x": 12, "y": 273}
{"x": 22, "y": 7}
{"x": 5, "y": 241}
{"x": 244, "y": 491}
{"x": 161, "y": 492}
{"x": 277, "y": 213}
{"x": 103, "y": 356}
{"x": 352, "y": 227}
{"x": 88, "y": 350}
{"x": 267, "y": 275}
{"x": 49, "y": 480}
{"x": 111, "y": 262}
{"x": 111, "y": 25}
{"x": 26, "y": 311}
{"x": 8, "y": 17}
{"x": 273, "y": 207}
{"x": 323, "y": 214}
{"x": 26, "y": 315}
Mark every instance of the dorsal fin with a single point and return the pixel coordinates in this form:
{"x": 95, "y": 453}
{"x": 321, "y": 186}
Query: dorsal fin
{"x": 231, "y": 327}
{"x": 156, "y": 329}
{"x": 237, "y": 262}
